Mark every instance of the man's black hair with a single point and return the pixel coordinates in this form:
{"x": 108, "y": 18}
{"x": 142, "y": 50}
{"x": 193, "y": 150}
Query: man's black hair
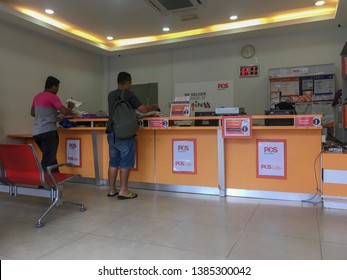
{"x": 51, "y": 81}
{"x": 123, "y": 77}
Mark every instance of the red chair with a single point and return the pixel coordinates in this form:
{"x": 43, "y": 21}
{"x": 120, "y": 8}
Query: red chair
{"x": 21, "y": 173}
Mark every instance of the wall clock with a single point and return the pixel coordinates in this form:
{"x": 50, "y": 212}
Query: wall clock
{"x": 247, "y": 51}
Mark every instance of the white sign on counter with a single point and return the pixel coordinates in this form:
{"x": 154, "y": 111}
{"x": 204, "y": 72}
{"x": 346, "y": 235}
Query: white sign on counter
{"x": 73, "y": 151}
{"x": 184, "y": 156}
{"x": 271, "y": 159}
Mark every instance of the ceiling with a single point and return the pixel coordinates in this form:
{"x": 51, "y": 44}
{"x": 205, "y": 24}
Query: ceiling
{"x": 138, "y": 24}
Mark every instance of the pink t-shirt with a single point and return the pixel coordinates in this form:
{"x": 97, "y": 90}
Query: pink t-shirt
{"x": 46, "y": 105}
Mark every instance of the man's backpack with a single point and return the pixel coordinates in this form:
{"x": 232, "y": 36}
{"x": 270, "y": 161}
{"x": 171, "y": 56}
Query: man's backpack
{"x": 123, "y": 118}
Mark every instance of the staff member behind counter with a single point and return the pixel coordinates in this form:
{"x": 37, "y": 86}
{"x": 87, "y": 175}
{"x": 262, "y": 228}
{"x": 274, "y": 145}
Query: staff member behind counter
{"x": 44, "y": 108}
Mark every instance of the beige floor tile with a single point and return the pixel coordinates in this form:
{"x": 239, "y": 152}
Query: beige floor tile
{"x": 235, "y": 216}
{"x": 167, "y": 225}
{"x": 136, "y": 228}
{"x": 205, "y": 239}
{"x": 23, "y": 241}
{"x": 28, "y": 209}
{"x": 87, "y": 221}
{"x": 333, "y": 231}
{"x": 260, "y": 246}
{"x": 96, "y": 247}
{"x": 333, "y": 215}
{"x": 167, "y": 210}
{"x": 287, "y": 208}
{"x": 334, "y": 251}
{"x": 233, "y": 200}
{"x": 5, "y": 258}
{"x": 286, "y": 225}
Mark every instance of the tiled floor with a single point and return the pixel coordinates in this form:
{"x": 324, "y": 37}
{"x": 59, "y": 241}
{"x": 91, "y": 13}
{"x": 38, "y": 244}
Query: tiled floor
{"x": 163, "y": 225}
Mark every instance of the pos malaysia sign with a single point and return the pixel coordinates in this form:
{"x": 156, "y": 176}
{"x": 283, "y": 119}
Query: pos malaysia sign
{"x": 184, "y": 156}
{"x": 272, "y": 159}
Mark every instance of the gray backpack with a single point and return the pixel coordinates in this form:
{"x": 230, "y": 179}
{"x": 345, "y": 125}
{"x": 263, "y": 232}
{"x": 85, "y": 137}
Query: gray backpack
{"x": 123, "y": 118}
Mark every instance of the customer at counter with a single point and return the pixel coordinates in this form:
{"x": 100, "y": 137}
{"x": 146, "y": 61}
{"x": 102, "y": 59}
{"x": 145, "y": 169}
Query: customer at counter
{"x": 44, "y": 108}
{"x": 122, "y": 151}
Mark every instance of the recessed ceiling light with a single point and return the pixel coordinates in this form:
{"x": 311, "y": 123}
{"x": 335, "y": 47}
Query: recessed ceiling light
{"x": 166, "y": 29}
{"x": 319, "y": 3}
{"x": 49, "y": 11}
{"x": 110, "y": 38}
{"x": 233, "y": 17}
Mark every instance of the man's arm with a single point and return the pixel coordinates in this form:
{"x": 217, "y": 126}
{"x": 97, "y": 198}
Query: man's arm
{"x": 147, "y": 108}
{"x": 32, "y": 112}
{"x": 67, "y": 110}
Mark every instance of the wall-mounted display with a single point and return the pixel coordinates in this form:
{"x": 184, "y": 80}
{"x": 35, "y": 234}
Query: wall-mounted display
{"x": 306, "y": 84}
{"x": 249, "y": 71}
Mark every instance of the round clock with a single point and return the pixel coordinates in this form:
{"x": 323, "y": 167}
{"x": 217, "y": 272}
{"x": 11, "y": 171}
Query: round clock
{"x": 247, "y": 51}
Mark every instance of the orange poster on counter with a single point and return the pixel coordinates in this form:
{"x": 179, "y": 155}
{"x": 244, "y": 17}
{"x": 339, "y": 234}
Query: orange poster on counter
{"x": 237, "y": 127}
{"x": 180, "y": 110}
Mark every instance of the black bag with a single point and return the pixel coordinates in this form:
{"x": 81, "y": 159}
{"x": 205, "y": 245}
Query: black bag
{"x": 123, "y": 118}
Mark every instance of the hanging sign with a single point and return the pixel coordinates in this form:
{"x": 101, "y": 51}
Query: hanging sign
{"x": 184, "y": 156}
{"x": 271, "y": 159}
{"x": 73, "y": 151}
{"x": 237, "y": 127}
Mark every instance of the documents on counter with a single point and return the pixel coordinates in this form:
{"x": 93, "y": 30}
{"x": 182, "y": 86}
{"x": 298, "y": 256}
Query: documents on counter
{"x": 75, "y": 102}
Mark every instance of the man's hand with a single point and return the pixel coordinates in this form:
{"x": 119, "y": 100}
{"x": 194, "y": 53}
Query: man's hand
{"x": 70, "y": 105}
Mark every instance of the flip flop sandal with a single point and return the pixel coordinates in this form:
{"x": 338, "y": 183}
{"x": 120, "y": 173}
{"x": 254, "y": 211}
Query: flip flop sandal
{"x": 112, "y": 195}
{"x": 130, "y": 195}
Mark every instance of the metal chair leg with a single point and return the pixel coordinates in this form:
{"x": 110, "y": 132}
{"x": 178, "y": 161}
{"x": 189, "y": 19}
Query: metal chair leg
{"x": 82, "y": 208}
{"x": 39, "y": 223}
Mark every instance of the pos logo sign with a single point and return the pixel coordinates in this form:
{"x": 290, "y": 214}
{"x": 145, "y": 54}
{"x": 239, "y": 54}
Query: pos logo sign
{"x": 72, "y": 146}
{"x": 223, "y": 86}
{"x": 270, "y": 150}
{"x": 183, "y": 148}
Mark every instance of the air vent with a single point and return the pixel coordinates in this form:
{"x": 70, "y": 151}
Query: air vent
{"x": 189, "y": 17}
{"x": 166, "y": 7}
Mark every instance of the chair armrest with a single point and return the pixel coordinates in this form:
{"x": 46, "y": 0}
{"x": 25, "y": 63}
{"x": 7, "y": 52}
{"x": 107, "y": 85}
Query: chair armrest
{"x": 49, "y": 170}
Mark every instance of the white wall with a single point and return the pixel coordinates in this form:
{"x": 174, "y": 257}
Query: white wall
{"x": 221, "y": 62}
{"x": 26, "y": 59}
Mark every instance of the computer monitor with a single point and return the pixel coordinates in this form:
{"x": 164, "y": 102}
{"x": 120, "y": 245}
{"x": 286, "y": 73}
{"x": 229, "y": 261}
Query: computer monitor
{"x": 280, "y": 122}
{"x": 206, "y": 122}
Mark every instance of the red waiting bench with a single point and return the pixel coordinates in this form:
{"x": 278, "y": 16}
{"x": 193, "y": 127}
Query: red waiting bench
{"x": 21, "y": 174}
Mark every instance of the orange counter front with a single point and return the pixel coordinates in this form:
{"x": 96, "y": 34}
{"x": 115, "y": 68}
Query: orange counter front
{"x": 334, "y": 179}
{"x": 224, "y": 166}
{"x": 303, "y": 146}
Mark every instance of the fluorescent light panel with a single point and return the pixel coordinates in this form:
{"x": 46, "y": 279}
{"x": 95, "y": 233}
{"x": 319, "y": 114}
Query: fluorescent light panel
{"x": 290, "y": 16}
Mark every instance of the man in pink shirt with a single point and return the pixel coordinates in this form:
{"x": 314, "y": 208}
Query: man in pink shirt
{"x": 45, "y": 108}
